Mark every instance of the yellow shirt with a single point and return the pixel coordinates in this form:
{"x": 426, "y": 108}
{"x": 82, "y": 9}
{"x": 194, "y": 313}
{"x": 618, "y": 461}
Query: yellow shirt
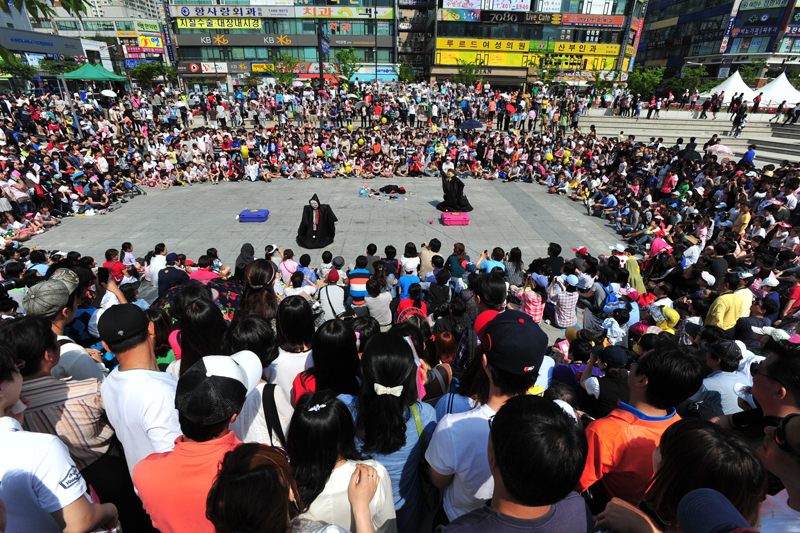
{"x": 741, "y": 223}
{"x": 725, "y": 311}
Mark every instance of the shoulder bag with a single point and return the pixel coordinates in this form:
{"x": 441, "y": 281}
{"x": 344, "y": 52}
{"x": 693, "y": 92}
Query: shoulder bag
{"x": 430, "y": 494}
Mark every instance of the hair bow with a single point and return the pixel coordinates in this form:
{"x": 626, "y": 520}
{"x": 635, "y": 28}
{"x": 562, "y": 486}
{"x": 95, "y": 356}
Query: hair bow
{"x": 380, "y": 390}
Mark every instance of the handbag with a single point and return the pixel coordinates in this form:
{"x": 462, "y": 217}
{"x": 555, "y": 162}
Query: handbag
{"x": 430, "y": 493}
{"x": 271, "y": 415}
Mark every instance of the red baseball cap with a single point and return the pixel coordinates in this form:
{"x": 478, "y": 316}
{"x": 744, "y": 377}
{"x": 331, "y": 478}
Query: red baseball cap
{"x": 582, "y": 250}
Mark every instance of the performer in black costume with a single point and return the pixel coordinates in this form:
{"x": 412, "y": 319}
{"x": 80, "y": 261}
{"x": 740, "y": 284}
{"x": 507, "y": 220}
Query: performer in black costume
{"x": 454, "y": 197}
{"x": 318, "y": 226}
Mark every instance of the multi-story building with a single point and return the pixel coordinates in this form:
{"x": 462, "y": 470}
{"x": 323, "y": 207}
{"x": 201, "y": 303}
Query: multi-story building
{"x": 511, "y": 39}
{"x": 132, "y": 35}
{"x": 224, "y": 40}
{"x": 721, "y": 35}
{"x": 415, "y": 25}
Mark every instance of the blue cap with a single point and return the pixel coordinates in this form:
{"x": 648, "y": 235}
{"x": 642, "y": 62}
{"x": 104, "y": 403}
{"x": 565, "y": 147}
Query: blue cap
{"x": 708, "y": 511}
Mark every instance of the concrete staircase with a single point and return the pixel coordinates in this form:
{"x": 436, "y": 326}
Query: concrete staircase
{"x": 775, "y": 143}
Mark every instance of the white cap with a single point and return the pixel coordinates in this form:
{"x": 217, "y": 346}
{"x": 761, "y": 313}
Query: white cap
{"x": 770, "y": 282}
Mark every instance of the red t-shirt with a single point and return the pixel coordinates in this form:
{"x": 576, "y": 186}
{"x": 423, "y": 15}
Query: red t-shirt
{"x": 408, "y": 302}
{"x": 203, "y": 274}
{"x": 793, "y": 294}
{"x": 303, "y": 383}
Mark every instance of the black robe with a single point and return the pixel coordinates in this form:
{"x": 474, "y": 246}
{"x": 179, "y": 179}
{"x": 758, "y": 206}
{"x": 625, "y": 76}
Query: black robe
{"x": 307, "y": 235}
{"x": 454, "y": 197}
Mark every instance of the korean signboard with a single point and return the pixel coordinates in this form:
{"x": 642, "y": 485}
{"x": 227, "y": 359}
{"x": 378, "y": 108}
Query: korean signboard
{"x": 343, "y": 12}
{"x": 220, "y": 23}
{"x": 461, "y": 15}
{"x": 151, "y": 27}
{"x": 461, "y": 4}
{"x": 482, "y": 44}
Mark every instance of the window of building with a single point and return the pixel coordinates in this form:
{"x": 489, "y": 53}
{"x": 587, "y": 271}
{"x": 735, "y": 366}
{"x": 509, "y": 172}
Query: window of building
{"x": 97, "y": 25}
{"x": 126, "y": 25}
{"x": 69, "y": 25}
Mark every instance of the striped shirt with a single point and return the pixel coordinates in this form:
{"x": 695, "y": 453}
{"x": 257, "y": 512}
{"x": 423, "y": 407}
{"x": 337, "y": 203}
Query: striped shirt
{"x": 71, "y": 410}
{"x": 358, "y": 284}
{"x": 566, "y": 312}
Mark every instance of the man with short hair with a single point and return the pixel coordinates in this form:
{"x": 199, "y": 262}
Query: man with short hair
{"x": 139, "y": 399}
{"x": 621, "y": 444}
{"x": 204, "y": 269}
{"x": 429, "y": 249}
{"x": 171, "y": 275}
{"x": 723, "y": 357}
{"x": 513, "y": 351}
{"x": 779, "y": 453}
{"x": 727, "y": 308}
{"x": 174, "y": 485}
{"x": 532, "y": 438}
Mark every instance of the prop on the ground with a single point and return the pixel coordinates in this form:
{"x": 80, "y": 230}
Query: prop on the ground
{"x": 388, "y": 192}
{"x": 254, "y": 215}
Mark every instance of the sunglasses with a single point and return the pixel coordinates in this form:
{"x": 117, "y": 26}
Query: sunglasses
{"x": 754, "y": 371}
{"x": 780, "y": 437}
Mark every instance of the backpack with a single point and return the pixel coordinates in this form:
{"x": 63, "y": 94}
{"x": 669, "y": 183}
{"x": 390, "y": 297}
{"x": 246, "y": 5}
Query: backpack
{"x": 611, "y": 298}
{"x": 437, "y": 295}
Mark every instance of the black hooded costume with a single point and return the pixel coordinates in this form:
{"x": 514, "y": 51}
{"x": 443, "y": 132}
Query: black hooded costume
{"x": 454, "y": 197}
{"x": 318, "y": 226}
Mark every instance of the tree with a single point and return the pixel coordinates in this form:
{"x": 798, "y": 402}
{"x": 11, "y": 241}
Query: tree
{"x": 171, "y": 74}
{"x": 40, "y": 9}
{"x": 251, "y": 81}
{"x": 693, "y": 78}
{"x": 644, "y": 81}
{"x": 469, "y": 72}
{"x": 406, "y": 72}
{"x": 600, "y": 81}
{"x": 751, "y": 72}
{"x": 285, "y": 70}
{"x": 57, "y": 67}
{"x": 17, "y": 69}
{"x": 146, "y": 73}
{"x": 346, "y": 63}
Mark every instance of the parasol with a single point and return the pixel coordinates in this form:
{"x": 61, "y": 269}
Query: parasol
{"x": 108, "y": 92}
{"x": 352, "y": 96}
{"x": 297, "y": 83}
{"x": 359, "y": 105}
{"x": 690, "y": 155}
{"x": 325, "y": 94}
{"x": 719, "y": 149}
{"x": 228, "y": 295}
{"x": 181, "y": 104}
{"x": 470, "y": 125}
{"x": 538, "y": 83}
{"x": 511, "y": 109}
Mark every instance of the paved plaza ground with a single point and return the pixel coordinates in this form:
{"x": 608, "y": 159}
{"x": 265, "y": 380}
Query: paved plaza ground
{"x": 191, "y": 219}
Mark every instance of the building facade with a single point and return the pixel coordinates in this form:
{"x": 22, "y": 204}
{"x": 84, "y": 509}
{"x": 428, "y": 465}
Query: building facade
{"x": 721, "y": 35}
{"x": 218, "y": 44}
{"x": 512, "y": 39}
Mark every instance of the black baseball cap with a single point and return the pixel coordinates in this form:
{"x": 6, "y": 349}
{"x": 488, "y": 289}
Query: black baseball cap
{"x": 613, "y": 356}
{"x": 513, "y": 342}
{"x": 723, "y": 348}
{"x": 120, "y": 322}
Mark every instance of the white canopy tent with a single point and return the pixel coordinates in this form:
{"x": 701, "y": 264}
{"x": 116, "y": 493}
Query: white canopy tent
{"x": 777, "y": 91}
{"x": 731, "y": 86}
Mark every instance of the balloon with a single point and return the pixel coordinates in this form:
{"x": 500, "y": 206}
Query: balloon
{"x": 549, "y": 157}
{"x": 567, "y": 153}
{"x": 566, "y": 161}
{"x": 383, "y": 120}
{"x": 349, "y": 168}
{"x": 320, "y": 153}
{"x": 245, "y": 152}
{"x": 350, "y": 127}
{"x": 361, "y": 142}
{"x": 579, "y": 163}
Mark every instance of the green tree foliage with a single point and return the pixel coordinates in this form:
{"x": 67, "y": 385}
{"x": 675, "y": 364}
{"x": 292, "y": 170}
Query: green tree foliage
{"x": 285, "y": 69}
{"x": 57, "y": 67}
{"x": 405, "y": 72}
{"x": 17, "y": 69}
{"x": 146, "y": 73}
{"x": 751, "y": 72}
{"x": 346, "y": 63}
{"x": 644, "y": 81}
{"x": 251, "y": 81}
{"x": 171, "y": 74}
{"x": 694, "y": 77}
{"x": 601, "y": 83}
{"x": 469, "y": 72}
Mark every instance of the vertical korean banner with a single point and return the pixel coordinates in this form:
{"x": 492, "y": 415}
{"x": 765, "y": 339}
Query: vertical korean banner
{"x": 167, "y": 36}
{"x": 729, "y": 29}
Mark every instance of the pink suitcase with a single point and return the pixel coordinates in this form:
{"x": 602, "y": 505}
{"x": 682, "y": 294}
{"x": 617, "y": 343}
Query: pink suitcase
{"x": 455, "y": 219}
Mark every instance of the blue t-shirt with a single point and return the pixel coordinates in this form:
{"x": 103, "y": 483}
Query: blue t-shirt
{"x": 404, "y": 283}
{"x": 489, "y": 264}
{"x": 402, "y": 465}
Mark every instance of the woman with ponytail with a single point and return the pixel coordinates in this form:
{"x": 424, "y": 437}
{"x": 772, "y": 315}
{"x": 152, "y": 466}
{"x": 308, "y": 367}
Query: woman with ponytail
{"x": 388, "y": 413}
{"x": 414, "y": 300}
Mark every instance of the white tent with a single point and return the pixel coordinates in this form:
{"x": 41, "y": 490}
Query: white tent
{"x": 731, "y": 86}
{"x": 777, "y": 91}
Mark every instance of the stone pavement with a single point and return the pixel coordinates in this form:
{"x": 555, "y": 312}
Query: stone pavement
{"x": 191, "y": 219}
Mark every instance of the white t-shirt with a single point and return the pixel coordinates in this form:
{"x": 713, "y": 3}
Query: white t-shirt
{"x": 37, "y": 477}
{"x": 458, "y": 447}
{"x": 333, "y": 507}
{"x": 251, "y": 425}
{"x": 777, "y": 516}
{"x": 140, "y": 404}
{"x": 76, "y": 363}
{"x": 410, "y": 263}
{"x": 157, "y": 263}
{"x": 285, "y": 368}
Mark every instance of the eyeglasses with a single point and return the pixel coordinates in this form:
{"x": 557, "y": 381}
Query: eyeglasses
{"x": 754, "y": 371}
{"x": 780, "y": 437}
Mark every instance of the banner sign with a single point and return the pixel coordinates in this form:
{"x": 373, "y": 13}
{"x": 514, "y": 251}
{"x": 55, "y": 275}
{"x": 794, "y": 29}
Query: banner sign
{"x": 763, "y": 4}
{"x": 144, "y": 50}
{"x": 150, "y": 42}
{"x": 482, "y": 44}
{"x": 754, "y": 31}
{"x": 130, "y": 63}
{"x": 600, "y": 21}
{"x": 168, "y": 37}
{"x": 729, "y": 28}
{"x": 343, "y": 12}
{"x": 792, "y": 31}
{"x": 219, "y": 11}
{"x": 219, "y": 23}
{"x": 124, "y": 34}
{"x": 550, "y": 6}
{"x": 506, "y": 5}
{"x": 520, "y": 18}
{"x": 587, "y": 48}
{"x": 148, "y": 26}
{"x": 214, "y": 68}
{"x": 461, "y": 15}
{"x": 260, "y": 39}
{"x": 262, "y": 67}
{"x": 461, "y": 4}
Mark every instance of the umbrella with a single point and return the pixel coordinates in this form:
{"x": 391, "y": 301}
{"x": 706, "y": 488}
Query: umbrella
{"x": 538, "y": 83}
{"x": 511, "y": 109}
{"x": 423, "y": 104}
{"x": 228, "y": 295}
{"x": 325, "y": 94}
{"x": 359, "y": 105}
{"x": 470, "y": 125}
{"x": 352, "y": 96}
{"x": 108, "y": 92}
{"x": 719, "y": 149}
{"x": 297, "y": 83}
{"x": 181, "y": 104}
{"x": 689, "y": 155}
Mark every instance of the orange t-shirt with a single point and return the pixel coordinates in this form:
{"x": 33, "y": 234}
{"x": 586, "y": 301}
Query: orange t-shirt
{"x": 621, "y": 449}
{"x": 173, "y": 486}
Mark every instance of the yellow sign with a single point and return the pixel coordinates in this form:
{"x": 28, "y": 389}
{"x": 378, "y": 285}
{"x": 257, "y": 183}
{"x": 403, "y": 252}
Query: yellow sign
{"x": 587, "y": 48}
{"x": 527, "y": 59}
{"x": 220, "y": 23}
{"x": 263, "y": 67}
{"x": 629, "y": 51}
{"x": 625, "y": 63}
{"x": 127, "y": 34}
{"x": 150, "y": 42}
{"x": 481, "y": 44}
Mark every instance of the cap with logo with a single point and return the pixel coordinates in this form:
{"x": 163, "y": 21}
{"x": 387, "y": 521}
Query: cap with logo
{"x": 214, "y": 388}
{"x": 514, "y": 343}
{"x": 120, "y": 322}
{"x": 613, "y": 356}
{"x": 722, "y": 348}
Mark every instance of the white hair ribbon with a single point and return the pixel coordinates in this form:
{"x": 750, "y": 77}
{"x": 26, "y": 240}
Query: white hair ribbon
{"x": 380, "y": 390}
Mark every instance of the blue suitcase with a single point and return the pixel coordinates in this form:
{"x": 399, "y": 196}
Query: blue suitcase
{"x": 254, "y": 215}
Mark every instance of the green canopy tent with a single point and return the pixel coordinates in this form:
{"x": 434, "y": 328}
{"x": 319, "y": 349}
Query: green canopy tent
{"x": 89, "y": 72}
{"x": 110, "y": 75}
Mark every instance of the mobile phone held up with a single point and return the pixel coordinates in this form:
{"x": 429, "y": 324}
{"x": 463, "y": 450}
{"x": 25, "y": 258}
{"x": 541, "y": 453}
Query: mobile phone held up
{"x": 102, "y": 275}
